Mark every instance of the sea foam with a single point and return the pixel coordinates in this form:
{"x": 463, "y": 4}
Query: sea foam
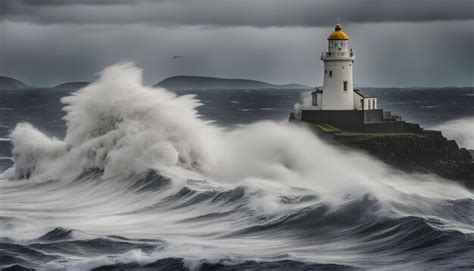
{"x": 119, "y": 127}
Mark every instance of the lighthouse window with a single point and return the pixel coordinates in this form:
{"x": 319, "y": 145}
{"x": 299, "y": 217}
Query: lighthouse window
{"x": 345, "y": 85}
{"x": 330, "y": 73}
{"x": 315, "y": 99}
{"x": 325, "y": 71}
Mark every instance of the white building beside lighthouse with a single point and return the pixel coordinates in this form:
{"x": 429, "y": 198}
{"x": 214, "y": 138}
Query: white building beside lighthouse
{"x": 338, "y": 91}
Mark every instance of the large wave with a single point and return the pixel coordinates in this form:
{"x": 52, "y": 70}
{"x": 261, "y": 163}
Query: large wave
{"x": 140, "y": 163}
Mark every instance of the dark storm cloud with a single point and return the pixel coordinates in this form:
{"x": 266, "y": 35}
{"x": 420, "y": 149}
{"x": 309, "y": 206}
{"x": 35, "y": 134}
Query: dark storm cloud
{"x": 388, "y": 54}
{"x": 259, "y": 13}
{"x": 410, "y": 43}
{"x": 71, "y": 2}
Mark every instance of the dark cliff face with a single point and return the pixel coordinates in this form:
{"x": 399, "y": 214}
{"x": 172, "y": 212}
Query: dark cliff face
{"x": 423, "y": 152}
{"x": 429, "y": 152}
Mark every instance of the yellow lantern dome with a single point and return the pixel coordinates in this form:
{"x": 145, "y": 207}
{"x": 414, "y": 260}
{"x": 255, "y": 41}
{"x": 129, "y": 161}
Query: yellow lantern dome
{"x": 338, "y": 34}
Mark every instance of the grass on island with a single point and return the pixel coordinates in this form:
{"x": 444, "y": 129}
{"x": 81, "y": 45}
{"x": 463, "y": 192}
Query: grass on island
{"x": 325, "y": 127}
{"x": 364, "y": 136}
{"x": 347, "y": 135}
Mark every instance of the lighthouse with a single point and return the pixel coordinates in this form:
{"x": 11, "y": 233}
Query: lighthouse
{"x": 337, "y": 106}
{"x": 337, "y": 92}
{"x": 337, "y": 84}
{"x": 337, "y": 103}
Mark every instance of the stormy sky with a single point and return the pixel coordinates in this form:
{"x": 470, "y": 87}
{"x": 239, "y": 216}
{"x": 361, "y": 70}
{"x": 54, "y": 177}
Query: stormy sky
{"x": 397, "y": 43}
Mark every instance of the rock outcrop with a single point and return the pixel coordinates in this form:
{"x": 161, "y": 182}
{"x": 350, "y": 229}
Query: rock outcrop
{"x": 425, "y": 152}
{"x": 429, "y": 152}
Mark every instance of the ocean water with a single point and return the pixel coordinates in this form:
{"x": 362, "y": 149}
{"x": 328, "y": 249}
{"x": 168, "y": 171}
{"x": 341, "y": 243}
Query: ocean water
{"x": 120, "y": 176}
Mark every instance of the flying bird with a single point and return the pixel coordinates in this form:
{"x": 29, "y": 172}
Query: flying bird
{"x": 176, "y": 57}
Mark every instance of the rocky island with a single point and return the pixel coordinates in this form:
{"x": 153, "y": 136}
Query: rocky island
{"x": 345, "y": 116}
{"x": 425, "y": 151}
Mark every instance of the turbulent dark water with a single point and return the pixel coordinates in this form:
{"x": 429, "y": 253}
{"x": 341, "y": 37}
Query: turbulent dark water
{"x": 139, "y": 181}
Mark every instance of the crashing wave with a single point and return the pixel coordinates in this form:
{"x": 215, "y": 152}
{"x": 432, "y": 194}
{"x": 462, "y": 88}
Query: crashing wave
{"x": 139, "y": 164}
{"x": 461, "y": 130}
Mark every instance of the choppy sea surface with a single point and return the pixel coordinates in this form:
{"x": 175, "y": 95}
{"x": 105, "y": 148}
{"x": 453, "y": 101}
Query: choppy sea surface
{"x": 120, "y": 176}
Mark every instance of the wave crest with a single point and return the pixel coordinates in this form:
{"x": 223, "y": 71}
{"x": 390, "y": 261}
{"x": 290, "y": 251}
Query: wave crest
{"x": 461, "y": 130}
{"x": 117, "y": 125}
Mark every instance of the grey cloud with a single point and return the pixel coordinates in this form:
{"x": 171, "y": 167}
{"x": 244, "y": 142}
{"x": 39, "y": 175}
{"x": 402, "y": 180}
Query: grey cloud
{"x": 262, "y": 13}
{"x": 388, "y": 54}
{"x": 413, "y": 42}
{"x": 70, "y": 2}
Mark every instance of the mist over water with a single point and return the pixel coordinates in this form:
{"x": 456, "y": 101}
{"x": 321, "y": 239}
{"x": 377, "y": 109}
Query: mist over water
{"x": 140, "y": 177}
{"x": 461, "y": 130}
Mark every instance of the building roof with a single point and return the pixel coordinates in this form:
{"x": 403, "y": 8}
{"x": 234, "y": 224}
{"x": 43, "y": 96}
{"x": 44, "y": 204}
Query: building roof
{"x": 361, "y": 94}
{"x": 338, "y": 34}
{"x": 317, "y": 91}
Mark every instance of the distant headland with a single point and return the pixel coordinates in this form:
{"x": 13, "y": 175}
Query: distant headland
{"x": 184, "y": 82}
{"x": 71, "y": 85}
{"x": 204, "y": 82}
{"x": 8, "y": 83}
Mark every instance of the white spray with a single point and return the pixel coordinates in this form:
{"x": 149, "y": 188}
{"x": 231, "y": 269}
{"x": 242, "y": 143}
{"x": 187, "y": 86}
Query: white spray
{"x": 461, "y": 130}
{"x": 120, "y": 127}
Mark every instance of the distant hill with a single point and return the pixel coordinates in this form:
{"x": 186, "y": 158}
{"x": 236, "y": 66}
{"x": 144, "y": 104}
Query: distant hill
{"x": 203, "y": 82}
{"x": 72, "y": 85}
{"x": 8, "y": 83}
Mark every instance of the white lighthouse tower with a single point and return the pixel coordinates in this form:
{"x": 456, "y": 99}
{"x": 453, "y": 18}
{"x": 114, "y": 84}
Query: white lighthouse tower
{"x": 338, "y": 91}
{"x": 337, "y": 95}
{"x": 338, "y": 104}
